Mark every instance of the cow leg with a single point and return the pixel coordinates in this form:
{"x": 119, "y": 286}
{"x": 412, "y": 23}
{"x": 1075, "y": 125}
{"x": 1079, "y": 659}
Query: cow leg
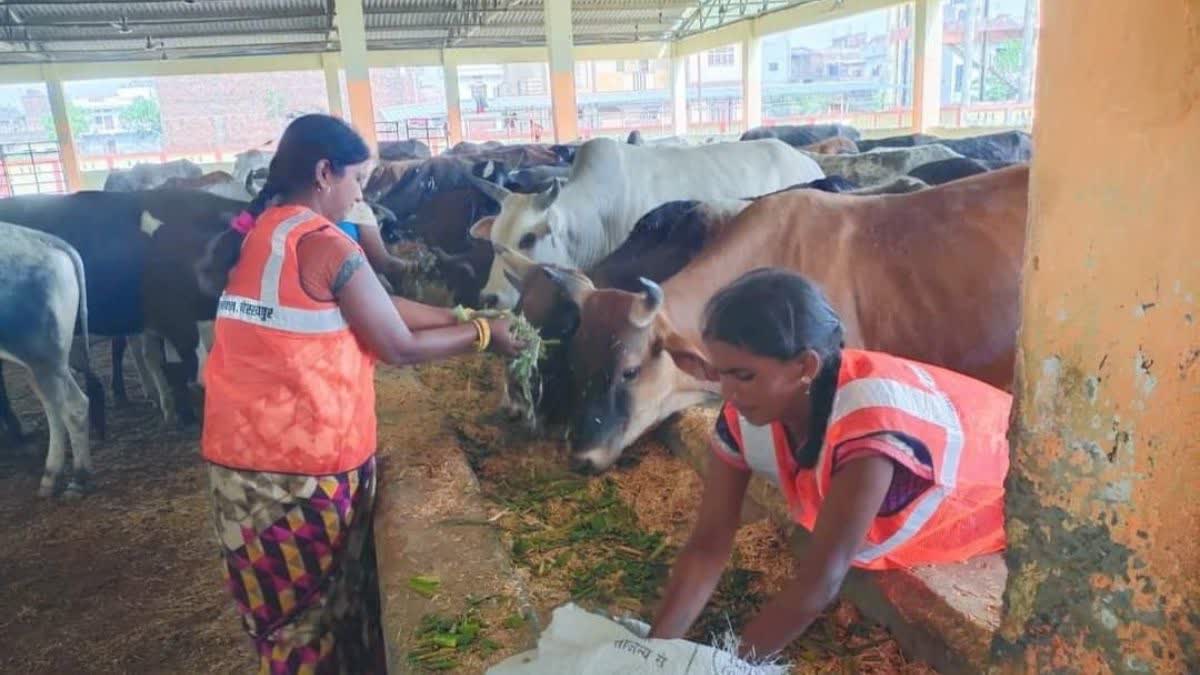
{"x": 205, "y": 329}
{"x": 12, "y": 425}
{"x": 138, "y": 346}
{"x": 152, "y": 349}
{"x": 57, "y": 391}
{"x": 183, "y": 345}
{"x": 94, "y": 389}
{"x": 118, "y": 371}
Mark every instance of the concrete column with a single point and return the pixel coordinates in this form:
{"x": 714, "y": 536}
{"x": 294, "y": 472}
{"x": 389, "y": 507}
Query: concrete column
{"x": 752, "y": 82}
{"x": 679, "y": 95}
{"x": 1103, "y": 557}
{"x": 454, "y": 120}
{"x": 62, "y": 129}
{"x": 333, "y": 85}
{"x": 353, "y": 35}
{"x": 559, "y": 44}
{"x": 927, "y": 65}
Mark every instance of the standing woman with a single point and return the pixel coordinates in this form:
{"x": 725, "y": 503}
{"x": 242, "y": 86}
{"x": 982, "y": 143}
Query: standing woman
{"x": 888, "y": 462}
{"x": 289, "y": 419}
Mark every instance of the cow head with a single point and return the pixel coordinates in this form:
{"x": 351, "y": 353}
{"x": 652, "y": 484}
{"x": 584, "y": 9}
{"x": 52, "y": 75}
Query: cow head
{"x": 630, "y": 370}
{"x": 526, "y": 225}
{"x": 549, "y": 301}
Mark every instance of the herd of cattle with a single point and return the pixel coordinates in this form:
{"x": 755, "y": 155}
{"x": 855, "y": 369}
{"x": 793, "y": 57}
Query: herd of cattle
{"x": 610, "y": 248}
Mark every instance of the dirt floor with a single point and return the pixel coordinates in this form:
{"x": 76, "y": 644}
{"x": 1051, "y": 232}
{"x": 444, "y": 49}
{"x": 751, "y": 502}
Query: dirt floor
{"x": 128, "y": 579}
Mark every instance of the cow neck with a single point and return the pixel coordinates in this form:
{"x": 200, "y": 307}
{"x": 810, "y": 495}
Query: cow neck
{"x": 581, "y": 222}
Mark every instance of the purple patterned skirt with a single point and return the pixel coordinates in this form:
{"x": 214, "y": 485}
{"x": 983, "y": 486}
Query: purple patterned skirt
{"x": 300, "y": 564}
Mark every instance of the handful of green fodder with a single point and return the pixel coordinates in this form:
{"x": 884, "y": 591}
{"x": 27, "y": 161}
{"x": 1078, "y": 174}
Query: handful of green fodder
{"x": 523, "y": 368}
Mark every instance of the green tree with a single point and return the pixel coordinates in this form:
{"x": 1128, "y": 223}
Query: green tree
{"x": 1004, "y": 72}
{"x": 142, "y": 116}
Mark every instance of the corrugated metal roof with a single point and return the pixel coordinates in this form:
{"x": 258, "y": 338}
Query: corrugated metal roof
{"x": 47, "y": 30}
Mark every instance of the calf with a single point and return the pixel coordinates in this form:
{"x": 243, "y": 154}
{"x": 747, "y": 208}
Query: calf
{"x": 931, "y": 276}
{"x": 218, "y": 183}
{"x": 838, "y": 145}
{"x": 1004, "y": 146}
{"x": 43, "y": 293}
{"x": 408, "y": 149}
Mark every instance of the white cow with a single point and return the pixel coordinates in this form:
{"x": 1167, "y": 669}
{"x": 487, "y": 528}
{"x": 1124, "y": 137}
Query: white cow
{"x": 246, "y": 164}
{"x": 612, "y": 185}
{"x": 42, "y": 292}
{"x": 150, "y": 176}
{"x": 881, "y": 165}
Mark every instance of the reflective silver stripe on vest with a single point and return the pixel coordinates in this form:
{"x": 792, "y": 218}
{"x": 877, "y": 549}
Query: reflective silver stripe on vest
{"x": 931, "y": 406}
{"x": 267, "y": 311}
{"x": 273, "y": 269}
{"x": 758, "y": 450}
{"x": 309, "y": 321}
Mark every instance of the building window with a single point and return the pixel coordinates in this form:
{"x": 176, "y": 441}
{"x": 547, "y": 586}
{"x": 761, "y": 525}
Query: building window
{"x": 773, "y": 67}
{"x": 722, "y": 56}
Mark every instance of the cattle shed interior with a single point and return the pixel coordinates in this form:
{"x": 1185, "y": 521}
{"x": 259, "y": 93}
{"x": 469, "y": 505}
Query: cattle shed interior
{"x": 1102, "y": 567}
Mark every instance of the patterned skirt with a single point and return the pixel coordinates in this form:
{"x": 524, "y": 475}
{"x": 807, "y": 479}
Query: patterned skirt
{"x": 300, "y": 564}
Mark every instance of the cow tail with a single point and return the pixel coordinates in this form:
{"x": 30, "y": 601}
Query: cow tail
{"x": 81, "y": 280}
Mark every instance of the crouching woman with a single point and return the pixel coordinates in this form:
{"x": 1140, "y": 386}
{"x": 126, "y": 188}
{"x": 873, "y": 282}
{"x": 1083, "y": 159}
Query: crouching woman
{"x": 889, "y": 463}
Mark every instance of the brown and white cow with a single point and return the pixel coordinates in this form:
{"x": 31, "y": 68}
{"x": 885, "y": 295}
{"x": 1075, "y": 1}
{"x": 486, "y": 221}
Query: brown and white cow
{"x": 932, "y": 276}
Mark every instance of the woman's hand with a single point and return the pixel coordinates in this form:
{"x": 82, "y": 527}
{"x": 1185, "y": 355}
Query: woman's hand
{"x": 504, "y": 342}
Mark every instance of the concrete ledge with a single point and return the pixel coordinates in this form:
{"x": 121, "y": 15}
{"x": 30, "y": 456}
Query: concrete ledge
{"x": 431, "y": 520}
{"x": 943, "y": 615}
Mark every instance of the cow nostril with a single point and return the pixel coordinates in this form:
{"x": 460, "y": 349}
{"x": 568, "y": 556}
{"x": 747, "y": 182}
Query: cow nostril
{"x": 490, "y": 300}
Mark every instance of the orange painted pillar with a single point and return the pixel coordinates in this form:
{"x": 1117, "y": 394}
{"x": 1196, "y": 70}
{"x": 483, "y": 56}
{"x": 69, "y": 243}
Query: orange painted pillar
{"x": 559, "y": 44}
{"x": 353, "y": 36}
{"x": 1102, "y": 508}
{"x": 62, "y": 130}
{"x": 454, "y": 120}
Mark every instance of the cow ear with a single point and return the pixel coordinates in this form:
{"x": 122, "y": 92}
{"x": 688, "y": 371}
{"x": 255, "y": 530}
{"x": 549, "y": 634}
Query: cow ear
{"x": 688, "y": 357}
{"x": 482, "y": 229}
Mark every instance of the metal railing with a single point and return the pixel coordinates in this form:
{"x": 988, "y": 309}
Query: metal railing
{"x": 31, "y": 168}
{"x": 431, "y": 131}
{"x": 528, "y": 124}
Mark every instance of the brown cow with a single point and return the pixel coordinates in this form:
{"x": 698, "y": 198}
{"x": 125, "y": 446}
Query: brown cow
{"x": 838, "y": 145}
{"x": 931, "y": 276}
{"x": 385, "y": 176}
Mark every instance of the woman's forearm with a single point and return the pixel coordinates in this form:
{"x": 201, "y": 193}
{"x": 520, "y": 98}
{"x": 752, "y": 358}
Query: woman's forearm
{"x": 693, "y": 580}
{"x": 431, "y": 344}
{"x": 789, "y": 614}
{"x": 419, "y": 317}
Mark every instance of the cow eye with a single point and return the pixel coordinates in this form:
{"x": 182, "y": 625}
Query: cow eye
{"x": 527, "y": 241}
{"x": 631, "y": 373}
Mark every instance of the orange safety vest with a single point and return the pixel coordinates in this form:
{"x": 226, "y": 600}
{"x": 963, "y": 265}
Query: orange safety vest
{"x": 288, "y": 387}
{"x": 962, "y": 422}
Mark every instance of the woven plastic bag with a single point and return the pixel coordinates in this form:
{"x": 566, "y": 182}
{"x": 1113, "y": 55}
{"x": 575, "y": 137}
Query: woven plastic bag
{"x": 581, "y": 643}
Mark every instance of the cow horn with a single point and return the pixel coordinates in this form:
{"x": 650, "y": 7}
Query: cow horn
{"x": 652, "y": 301}
{"x": 574, "y": 286}
{"x": 545, "y": 199}
{"x": 497, "y": 193}
{"x": 515, "y": 261}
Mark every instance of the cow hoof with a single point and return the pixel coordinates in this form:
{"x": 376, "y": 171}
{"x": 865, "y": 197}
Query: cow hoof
{"x": 74, "y": 492}
{"x": 45, "y": 491}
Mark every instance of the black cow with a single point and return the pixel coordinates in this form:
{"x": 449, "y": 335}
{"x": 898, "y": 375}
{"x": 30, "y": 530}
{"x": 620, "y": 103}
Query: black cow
{"x": 800, "y": 136}
{"x": 1004, "y": 146}
{"x": 946, "y": 170}
{"x": 400, "y": 150}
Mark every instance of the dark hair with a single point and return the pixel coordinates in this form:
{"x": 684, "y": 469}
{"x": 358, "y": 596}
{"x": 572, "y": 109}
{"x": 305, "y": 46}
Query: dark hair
{"x": 779, "y": 314}
{"x": 306, "y": 141}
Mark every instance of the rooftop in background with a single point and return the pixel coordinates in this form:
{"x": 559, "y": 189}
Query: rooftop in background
{"x": 34, "y": 31}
